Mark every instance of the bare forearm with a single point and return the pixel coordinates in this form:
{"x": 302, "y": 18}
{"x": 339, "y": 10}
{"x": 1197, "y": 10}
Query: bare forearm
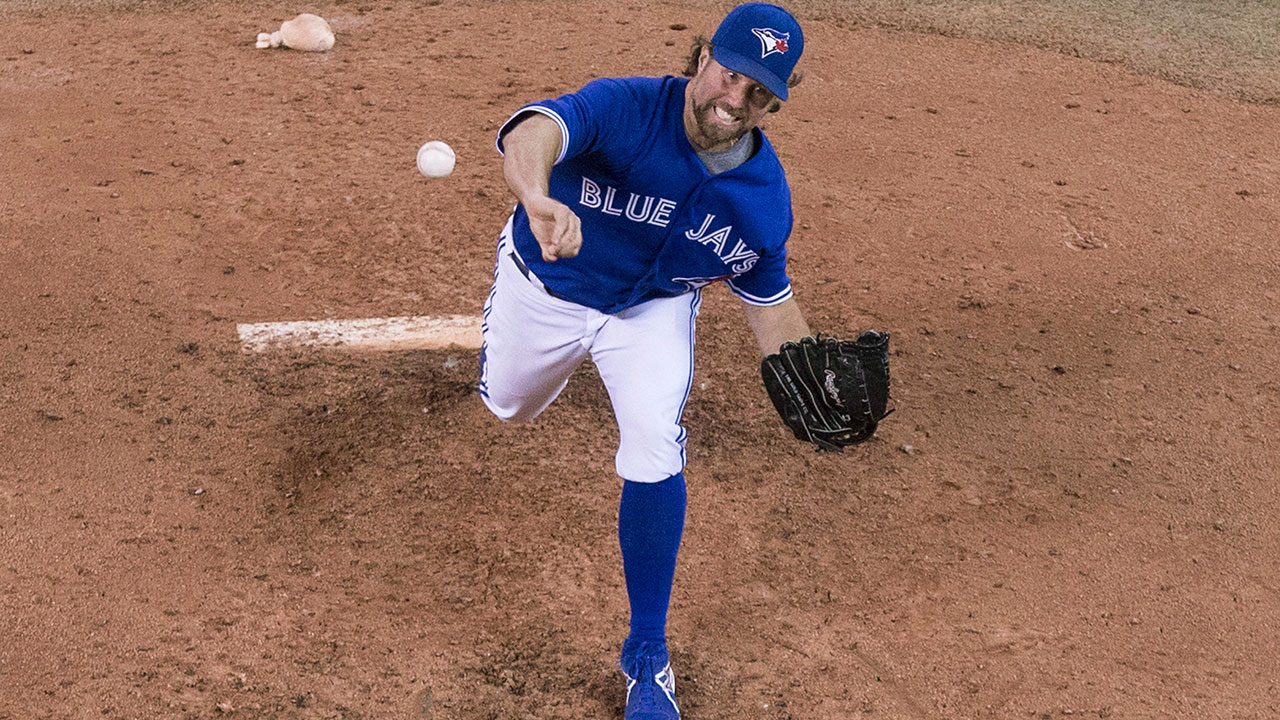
{"x": 776, "y": 324}
{"x": 530, "y": 150}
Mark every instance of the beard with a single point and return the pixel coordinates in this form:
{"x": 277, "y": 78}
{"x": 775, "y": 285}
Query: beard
{"x": 710, "y": 128}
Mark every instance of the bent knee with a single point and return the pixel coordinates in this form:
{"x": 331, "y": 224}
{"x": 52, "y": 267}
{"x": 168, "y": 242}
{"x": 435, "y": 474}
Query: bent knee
{"x": 513, "y": 413}
{"x": 652, "y": 458}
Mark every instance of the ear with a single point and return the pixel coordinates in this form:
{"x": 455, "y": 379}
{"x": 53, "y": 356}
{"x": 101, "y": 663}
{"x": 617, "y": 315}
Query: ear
{"x": 704, "y": 59}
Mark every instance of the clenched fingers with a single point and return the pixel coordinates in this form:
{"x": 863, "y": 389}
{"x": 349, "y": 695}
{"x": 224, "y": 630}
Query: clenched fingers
{"x": 557, "y": 229}
{"x": 566, "y": 236}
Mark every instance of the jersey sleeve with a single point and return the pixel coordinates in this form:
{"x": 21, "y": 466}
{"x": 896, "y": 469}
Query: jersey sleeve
{"x": 766, "y": 283}
{"x": 601, "y": 117}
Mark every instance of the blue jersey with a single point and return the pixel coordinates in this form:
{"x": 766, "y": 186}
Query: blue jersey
{"x": 655, "y": 223}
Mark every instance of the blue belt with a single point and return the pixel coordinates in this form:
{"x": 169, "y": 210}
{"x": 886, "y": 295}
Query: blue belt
{"x": 524, "y": 270}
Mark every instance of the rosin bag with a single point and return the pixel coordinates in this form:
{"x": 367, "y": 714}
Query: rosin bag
{"x": 306, "y": 32}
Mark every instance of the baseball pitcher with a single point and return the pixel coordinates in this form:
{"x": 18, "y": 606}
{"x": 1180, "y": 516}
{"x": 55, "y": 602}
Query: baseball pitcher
{"x": 633, "y": 194}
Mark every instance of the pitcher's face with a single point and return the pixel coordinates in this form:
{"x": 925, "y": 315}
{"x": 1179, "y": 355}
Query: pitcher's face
{"x": 722, "y": 105}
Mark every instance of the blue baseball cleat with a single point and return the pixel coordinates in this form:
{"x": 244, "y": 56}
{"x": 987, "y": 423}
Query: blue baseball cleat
{"x": 651, "y": 684}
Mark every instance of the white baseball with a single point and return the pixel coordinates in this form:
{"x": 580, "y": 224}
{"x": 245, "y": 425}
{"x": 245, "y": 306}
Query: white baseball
{"x": 435, "y": 159}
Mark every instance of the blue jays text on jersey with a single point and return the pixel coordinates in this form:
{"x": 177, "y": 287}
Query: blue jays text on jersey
{"x": 655, "y": 223}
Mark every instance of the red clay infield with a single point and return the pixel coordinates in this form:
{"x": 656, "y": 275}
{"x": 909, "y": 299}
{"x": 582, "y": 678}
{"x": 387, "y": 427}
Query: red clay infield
{"x": 1070, "y": 514}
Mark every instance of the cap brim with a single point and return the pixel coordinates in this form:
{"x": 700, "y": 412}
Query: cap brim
{"x": 752, "y": 69}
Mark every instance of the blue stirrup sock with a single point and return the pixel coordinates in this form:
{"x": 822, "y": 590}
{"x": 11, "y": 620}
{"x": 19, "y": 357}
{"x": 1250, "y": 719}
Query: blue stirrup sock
{"x": 650, "y": 523}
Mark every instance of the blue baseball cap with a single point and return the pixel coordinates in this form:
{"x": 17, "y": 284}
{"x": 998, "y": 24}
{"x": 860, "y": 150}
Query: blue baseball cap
{"x": 761, "y": 41}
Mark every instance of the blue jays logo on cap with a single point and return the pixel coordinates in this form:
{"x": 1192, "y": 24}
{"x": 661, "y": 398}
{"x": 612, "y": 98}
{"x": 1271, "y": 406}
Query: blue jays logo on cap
{"x": 771, "y": 41}
{"x": 761, "y": 41}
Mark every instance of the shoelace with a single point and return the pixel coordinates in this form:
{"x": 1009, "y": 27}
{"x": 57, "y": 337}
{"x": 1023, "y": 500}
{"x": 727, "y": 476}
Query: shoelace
{"x": 646, "y": 656}
{"x": 648, "y": 664}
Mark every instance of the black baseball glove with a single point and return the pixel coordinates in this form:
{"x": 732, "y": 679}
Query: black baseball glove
{"x": 831, "y": 393}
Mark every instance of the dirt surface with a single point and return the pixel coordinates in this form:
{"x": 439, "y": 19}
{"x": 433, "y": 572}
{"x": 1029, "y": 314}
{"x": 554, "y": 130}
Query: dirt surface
{"x": 1071, "y": 514}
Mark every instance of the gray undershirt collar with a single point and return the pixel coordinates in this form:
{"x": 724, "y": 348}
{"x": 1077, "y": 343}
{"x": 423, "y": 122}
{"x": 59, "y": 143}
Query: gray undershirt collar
{"x": 718, "y": 161}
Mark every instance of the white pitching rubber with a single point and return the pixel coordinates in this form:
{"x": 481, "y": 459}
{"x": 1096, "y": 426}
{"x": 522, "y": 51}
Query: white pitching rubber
{"x": 376, "y": 334}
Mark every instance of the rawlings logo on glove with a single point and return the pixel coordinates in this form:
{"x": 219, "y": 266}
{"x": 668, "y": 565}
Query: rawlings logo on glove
{"x": 830, "y": 385}
{"x": 831, "y": 393}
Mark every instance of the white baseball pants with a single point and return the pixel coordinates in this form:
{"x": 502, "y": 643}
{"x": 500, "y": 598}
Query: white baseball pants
{"x": 533, "y": 342}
